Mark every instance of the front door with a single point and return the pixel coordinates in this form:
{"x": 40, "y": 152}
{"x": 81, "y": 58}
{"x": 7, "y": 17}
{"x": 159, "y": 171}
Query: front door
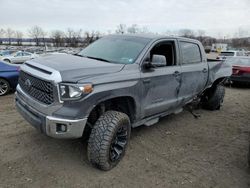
{"x": 161, "y": 84}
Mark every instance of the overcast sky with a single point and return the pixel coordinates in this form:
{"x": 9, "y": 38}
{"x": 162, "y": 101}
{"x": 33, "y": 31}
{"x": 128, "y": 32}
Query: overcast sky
{"x": 218, "y": 18}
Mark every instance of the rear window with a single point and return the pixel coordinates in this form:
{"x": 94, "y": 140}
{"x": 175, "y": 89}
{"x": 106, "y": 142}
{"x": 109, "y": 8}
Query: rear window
{"x": 190, "y": 52}
{"x": 227, "y": 54}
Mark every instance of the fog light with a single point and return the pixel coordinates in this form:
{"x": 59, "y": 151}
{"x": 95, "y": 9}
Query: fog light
{"x": 61, "y": 127}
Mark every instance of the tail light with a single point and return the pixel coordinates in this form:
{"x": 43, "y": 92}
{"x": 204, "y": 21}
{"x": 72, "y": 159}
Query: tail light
{"x": 240, "y": 70}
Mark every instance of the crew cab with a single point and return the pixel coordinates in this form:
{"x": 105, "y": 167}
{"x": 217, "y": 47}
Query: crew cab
{"x": 117, "y": 83}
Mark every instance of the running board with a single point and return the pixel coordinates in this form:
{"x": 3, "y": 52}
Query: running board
{"x": 152, "y": 122}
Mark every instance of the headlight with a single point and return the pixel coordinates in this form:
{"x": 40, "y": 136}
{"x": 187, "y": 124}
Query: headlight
{"x": 74, "y": 91}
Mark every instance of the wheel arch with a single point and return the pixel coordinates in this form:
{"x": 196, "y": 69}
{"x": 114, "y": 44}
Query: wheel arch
{"x": 7, "y": 59}
{"x": 125, "y": 104}
{"x": 218, "y": 81}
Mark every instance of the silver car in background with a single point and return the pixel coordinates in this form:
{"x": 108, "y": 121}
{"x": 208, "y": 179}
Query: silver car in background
{"x": 232, "y": 53}
{"x": 19, "y": 57}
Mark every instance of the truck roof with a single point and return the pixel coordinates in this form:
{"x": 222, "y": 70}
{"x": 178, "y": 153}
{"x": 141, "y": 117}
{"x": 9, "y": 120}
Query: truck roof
{"x": 152, "y": 36}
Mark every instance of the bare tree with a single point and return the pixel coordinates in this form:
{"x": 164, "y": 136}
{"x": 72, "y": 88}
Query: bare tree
{"x": 144, "y": 29}
{"x": 2, "y": 34}
{"x": 58, "y": 38}
{"x": 69, "y": 35}
{"x": 133, "y": 29}
{"x": 186, "y": 33}
{"x": 121, "y": 29}
{"x": 76, "y": 38}
{"x": 91, "y": 37}
{"x": 37, "y": 33}
{"x": 9, "y": 34}
{"x": 19, "y": 36}
{"x": 201, "y": 33}
{"x": 43, "y": 37}
{"x": 73, "y": 37}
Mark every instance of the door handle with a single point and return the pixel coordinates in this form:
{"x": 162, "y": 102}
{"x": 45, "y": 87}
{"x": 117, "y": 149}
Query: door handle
{"x": 176, "y": 73}
{"x": 204, "y": 70}
{"x": 146, "y": 80}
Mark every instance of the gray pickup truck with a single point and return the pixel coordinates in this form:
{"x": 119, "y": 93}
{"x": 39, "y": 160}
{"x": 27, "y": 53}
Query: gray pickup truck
{"x": 117, "y": 83}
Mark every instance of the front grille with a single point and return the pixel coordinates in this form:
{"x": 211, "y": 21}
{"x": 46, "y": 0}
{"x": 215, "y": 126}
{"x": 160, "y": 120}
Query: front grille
{"x": 39, "y": 89}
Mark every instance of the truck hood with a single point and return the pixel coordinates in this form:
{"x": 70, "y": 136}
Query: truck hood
{"x": 74, "y": 68}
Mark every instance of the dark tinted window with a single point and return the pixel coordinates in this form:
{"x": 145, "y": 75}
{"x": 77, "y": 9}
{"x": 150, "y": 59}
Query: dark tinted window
{"x": 190, "y": 52}
{"x": 227, "y": 54}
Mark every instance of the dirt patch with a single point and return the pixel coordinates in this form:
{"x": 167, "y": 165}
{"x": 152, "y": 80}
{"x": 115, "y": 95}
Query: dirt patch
{"x": 178, "y": 151}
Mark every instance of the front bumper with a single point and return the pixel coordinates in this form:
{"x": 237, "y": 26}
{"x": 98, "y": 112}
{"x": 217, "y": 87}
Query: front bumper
{"x": 51, "y": 126}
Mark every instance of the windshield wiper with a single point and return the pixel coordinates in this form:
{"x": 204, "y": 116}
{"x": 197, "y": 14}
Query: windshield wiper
{"x": 78, "y": 55}
{"x": 98, "y": 58}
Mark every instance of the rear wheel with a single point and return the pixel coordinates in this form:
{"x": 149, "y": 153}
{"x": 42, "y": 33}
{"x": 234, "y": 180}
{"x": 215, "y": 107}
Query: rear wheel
{"x": 4, "y": 87}
{"x": 109, "y": 139}
{"x": 7, "y": 60}
{"x": 213, "y": 98}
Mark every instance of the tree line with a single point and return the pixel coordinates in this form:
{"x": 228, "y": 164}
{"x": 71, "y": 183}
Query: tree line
{"x": 59, "y": 38}
{"x": 75, "y": 38}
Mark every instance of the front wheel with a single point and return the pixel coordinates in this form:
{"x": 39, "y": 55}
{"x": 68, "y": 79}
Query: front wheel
{"x": 109, "y": 139}
{"x": 213, "y": 98}
{"x": 4, "y": 87}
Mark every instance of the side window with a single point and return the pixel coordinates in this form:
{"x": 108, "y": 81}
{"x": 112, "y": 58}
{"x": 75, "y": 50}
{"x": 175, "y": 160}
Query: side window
{"x": 19, "y": 54}
{"x": 239, "y": 54}
{"x": 166, "y": 49}
{"x": 26, "y": 54}
{"x": 190, "y": 52}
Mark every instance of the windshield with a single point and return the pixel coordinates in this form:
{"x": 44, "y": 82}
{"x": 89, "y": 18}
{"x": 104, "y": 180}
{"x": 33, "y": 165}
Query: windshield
{"x": 239, "y": 61}
{"x": 227, "y": 54}
{"x": 115, "y": 49}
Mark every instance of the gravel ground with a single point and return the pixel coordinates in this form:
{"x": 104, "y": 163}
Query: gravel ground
{"x": 179, "y": 151}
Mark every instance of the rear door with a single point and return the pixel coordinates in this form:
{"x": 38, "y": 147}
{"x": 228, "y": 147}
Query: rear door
{"x": 194, "y": 70}
{"x": 26, "y": 56}
{"x": 17, "y": 58}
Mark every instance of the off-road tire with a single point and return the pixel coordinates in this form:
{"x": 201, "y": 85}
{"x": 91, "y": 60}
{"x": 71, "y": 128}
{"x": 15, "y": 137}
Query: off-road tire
{"x": 213, "y": 98}
{"x": 102, "y": 136}
{"x": 6, "y": 89}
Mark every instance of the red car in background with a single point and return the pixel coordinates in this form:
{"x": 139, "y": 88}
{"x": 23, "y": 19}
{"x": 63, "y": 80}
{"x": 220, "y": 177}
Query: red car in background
{"x": 241, "y": 69}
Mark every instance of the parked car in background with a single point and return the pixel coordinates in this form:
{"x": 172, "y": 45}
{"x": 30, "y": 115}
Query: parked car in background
{"x": 225, "y": 54}
{"x": 241, "y": 69}
{"x": 6, "y": 52}
{"x": 8, "y": 77}
{"x": 19, "y": 57}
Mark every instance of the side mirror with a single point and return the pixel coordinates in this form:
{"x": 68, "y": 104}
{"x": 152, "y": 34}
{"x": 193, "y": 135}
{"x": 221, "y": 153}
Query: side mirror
{"x": 158, "y": 61}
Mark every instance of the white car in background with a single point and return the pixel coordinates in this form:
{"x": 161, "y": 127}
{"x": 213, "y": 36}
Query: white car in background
{"x": 19, "y": 57}
{"x": 232, "y": 53}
